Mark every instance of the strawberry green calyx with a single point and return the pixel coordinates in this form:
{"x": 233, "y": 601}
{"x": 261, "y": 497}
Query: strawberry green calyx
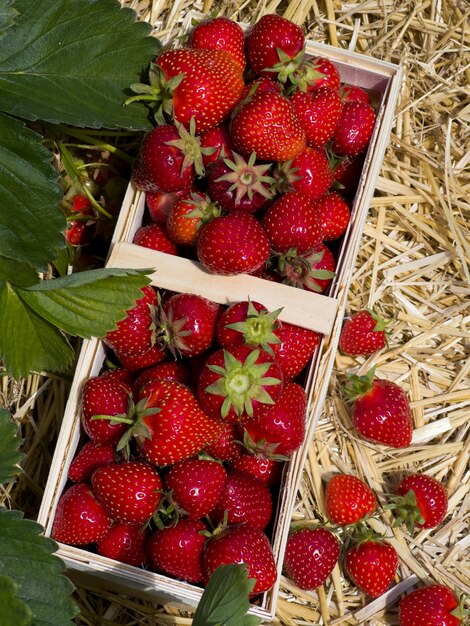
{"x": 300, "y": 271}
{"x": 359, "y": 386}
{"x": 381, "y": 324}
{"x": 158, "y": 93}
{"x": 262, "y": 448}
{"x": 246, "y": 178}
{"x": 204, "y": 209}
{"x": 305, "y": 75}
{"x": 190, "y": 146}
{"x": 135, "y": 419}
{"x": 258, "y": 328}
{"x": 460, "y": 612}
{"x": 241, "y": 383}
{"x": 287, "y": 66}
{"x": 406, "y": 511}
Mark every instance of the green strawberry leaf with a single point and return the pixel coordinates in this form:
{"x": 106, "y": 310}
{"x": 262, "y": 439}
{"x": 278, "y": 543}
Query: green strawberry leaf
{"x": 27, "y": 560}
{"x": 27, "y": 342}
{"x": 225, "y": 599}
{"x": 7, "y": 16}
{"x": 14, "y": 610}
{"x": 22, "y": 273}
{"x": 86, "y": 304}
{"x": 31, "y": 224}
{"x": 72, "y": 61}
{"x": 9, "y": 454}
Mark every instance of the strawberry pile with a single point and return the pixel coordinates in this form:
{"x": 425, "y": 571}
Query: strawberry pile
{"x": 184, "y": 436}
{"x": 256, "y": 155}
{"x": 369, "y": 560}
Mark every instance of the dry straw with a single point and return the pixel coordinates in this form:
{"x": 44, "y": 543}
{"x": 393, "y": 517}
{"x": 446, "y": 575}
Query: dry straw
{"x": 413, "y": 267}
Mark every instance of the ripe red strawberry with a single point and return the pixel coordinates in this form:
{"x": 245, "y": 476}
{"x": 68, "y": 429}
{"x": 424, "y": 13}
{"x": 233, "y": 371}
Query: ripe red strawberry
{"x": 177, "y": 550}
{"x": 262, "y": 83}
{"x": 249, "y": 323}
{"x": 125, "y": 543}
{"x": 238, "y": 384}
{"x": 348, "y": 499}
{"x": 239, "y": 185}
{"x": 296, "y": 350}
{"x": 311, "y": 554}
{"x": 129, "y": 492}
{"x": 159, "y": 203}
{"x": 318, "y": 112}
{"x": 354, "y": 128}
{"x": 79, "y": 233}
{"x": 168, "y": 370}
{"x": 166, "y": 160}
{"x": 120, "y": 375}
{"x": 334, "y": 215}
{"x": 154, "y": 237}
{"x": 233, "y": 244}
{"x": 218, "y": 142}
{"x": 381, "y": 411}
{"x": 272, "y": 43}
{"x": 280, "y": 429}
{"x": 220, "y": 33}
{"x": 89, "y": 458}
{"x": 266, "y": 124}
{"x": 347, "y": 174}
{"x": 291, "y": 223}
{"x": 244, "y": 500}
{"x": 79, "y": 519}
{"x": 421, "y": 502}
{"x": 186, "y": 323}
{"x": 268, "y": 471}
{"x": 242, "y": 544}
{"x": 371, "y": 565}
{"x": 204, "y": 84}
{"x": 434, "y": 605}
{"x": 81, "y": 204}
{"x": 136, "y": 362}
{"x": 309, "y": 173}
{"x": 194, "y": 486}
{"x": 225, "y": 447}
{"x": 353, "y": 92}
{"x": 187, "y": 216}
{"x": 314, "y": 73}
{"x": 363, "y": 334}
{"x": 313, "y": 271}
{"x": 102, "y": 396}
{"x": 134, "y": 333}
{"x": 177, "y": 429}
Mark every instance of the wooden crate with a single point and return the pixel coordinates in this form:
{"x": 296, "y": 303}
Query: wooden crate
{"x": 321, "y": 313}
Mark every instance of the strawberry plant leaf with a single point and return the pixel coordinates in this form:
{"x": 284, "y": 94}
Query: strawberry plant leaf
{"x": 225, "y": 599}
{"x": 72, "y": 61}
{"x": 22, "y": 273}
{"x": 27, "y": 341}
{"x": 27, "y": 559}
{"x": 9, "y": 454}
{"x": 31, "y": 224}
{"x": 7, "y": 16}
{"x": 14, "y": 610}
{"x": 86, "y": 304}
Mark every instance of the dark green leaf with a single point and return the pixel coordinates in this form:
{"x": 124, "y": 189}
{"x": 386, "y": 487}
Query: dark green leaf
{"x": 8, "y": 14}
{"x": 28, "y": 558}
{"x": 27, "y": 342}
{"x": 9, "y": 444}
{"x": 17, "y": 272}
{"x": 72, "y": 61}
{"x": 14, "y": 610}
{"x": 225, "y": 599}
{"x": 87, "y": 304}
{"x": 31, "y": 223}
